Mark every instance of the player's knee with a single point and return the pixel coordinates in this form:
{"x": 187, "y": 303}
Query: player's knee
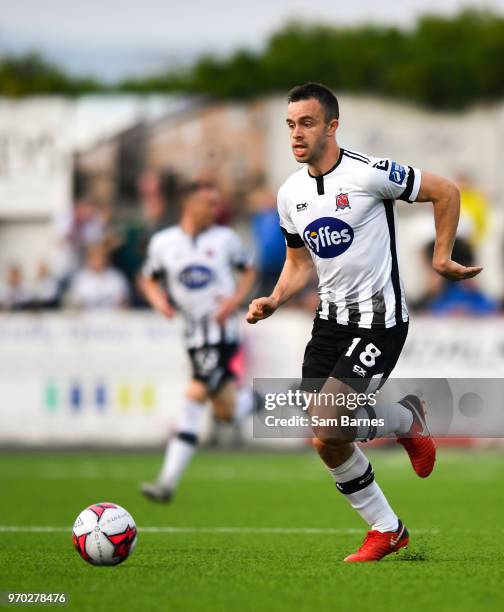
{"x": 223, "y": 402}
{"x": 332, "y": 456}
{"x": 333, "y": 434}
{"x": 327, "y": 445}
{"x": 335, "y": 437}
{"x": 222, "y": 414}
{"x": 224, "y": 411}
{"x": 196, "y": 391}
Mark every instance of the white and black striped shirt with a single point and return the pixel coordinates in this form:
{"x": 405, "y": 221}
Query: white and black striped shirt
{"x": 346, "y": 219}
{"x": 199, "y": 273}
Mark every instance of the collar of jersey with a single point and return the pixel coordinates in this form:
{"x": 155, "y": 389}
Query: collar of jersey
{"x": 194, "y": 237}
{"x": 330, "y": 169}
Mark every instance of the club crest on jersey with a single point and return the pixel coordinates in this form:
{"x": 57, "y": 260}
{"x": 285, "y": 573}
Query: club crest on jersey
{"x": 397, "y": 173}
{"x": 328, "y": 237}
{"x": 195, "y": 277}
{"x": 342, "y": 201}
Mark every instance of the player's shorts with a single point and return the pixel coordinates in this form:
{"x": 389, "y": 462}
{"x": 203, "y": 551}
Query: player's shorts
{"x": 212, "y": 364}
{"x": 363, "y": 358}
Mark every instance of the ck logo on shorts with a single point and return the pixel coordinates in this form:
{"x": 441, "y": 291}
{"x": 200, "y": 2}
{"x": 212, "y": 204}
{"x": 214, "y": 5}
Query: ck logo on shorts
{"x": 328, "y": 237}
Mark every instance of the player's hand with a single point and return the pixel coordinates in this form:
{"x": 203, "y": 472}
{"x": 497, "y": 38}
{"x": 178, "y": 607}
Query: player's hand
{"x": 226, "y": 308}
{"x": 453, "y": 271}
{"x": 261, "y": 308}
{"x": 163, "y": 306}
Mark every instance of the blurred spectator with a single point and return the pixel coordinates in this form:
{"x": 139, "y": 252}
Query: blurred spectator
{"x": 133, "y": 235}
{"x": 45, "y": 289}
{"x": 268, "y": 239}
{"x": 98, "y": 285}
{"x": 14, "y": 294}
{"x": 83, "y": 226}
{"x": 474, "y": 209}
{"x": 445, "y": 297}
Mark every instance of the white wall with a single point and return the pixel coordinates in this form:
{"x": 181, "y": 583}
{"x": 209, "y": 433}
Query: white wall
{"x": 36, "y": 160}
{"x": 140, "y": 363}
{"x": 25, "y": 243}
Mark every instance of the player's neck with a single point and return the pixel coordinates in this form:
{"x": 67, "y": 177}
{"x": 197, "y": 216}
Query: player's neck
{"x": 326, "y": 162}
{"x": 190, "y": 227}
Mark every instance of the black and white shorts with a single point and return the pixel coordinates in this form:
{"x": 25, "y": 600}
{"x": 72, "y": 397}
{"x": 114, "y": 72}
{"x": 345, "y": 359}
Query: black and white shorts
{"x": 363, "y": 358}
{"x": 212, "y": 364}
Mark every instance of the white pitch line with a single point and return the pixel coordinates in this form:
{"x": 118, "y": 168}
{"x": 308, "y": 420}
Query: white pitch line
{"x": 216, "y": 530}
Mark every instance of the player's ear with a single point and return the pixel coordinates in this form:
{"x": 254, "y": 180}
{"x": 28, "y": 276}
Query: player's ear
{"x": 332, "y": 126}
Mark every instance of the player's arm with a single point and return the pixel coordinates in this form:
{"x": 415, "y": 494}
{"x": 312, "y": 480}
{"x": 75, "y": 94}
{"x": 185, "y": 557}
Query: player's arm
{"x": 295, "y": 275}
{"x": 445, "y": 196}
{"x": 156, "y": 296}
{"x": 149, "y": 280}
{"x": 244, "y": 286}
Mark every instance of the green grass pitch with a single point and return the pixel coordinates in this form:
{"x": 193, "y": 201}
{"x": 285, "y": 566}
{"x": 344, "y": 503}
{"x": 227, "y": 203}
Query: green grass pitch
{"x": 265, "y": 532}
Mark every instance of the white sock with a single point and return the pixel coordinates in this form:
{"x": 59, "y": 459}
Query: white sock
{"x": 396, "y": 419}
{"x": 355, "y": 479}
{"x": 244, "y": 404}
{"x": 180, "y": 449}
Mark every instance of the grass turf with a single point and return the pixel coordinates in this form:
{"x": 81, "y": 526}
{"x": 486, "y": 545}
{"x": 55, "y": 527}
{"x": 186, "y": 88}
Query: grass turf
{"x": 454, "y": 562}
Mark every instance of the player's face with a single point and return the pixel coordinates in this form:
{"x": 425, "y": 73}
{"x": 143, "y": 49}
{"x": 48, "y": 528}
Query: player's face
{"x": 308, "y": 130}
{"x": 97, "y": 259}
{"x": 203, "y": 206}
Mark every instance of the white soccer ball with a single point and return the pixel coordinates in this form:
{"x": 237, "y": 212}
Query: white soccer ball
{"x": 104, "y": 534}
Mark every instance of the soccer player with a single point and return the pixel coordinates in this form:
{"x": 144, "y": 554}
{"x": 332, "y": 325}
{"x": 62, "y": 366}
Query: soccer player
{"x": 337, "y": 213}
{"x": 190, "y": 267}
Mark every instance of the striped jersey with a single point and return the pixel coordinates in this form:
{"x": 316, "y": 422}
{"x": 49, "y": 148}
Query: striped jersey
{"x": 346, "y": 220}
{"x": 198, "y": 271}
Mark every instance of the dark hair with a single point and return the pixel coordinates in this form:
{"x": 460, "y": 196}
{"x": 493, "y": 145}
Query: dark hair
{"x": 191, "y": 188}
{"x": 321, "y": 93}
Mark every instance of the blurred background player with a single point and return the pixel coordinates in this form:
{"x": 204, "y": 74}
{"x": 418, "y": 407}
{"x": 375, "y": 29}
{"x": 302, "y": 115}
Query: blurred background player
{"x": 195, "y": 261}
{"x": 337, "y": 214}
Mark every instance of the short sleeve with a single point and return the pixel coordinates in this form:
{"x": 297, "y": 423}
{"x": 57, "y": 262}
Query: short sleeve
{"x": 292, "y": 238}
{"x": 239, "y": 256}
{"x": 392, "y": 181}
{"x": 152, "y": 266}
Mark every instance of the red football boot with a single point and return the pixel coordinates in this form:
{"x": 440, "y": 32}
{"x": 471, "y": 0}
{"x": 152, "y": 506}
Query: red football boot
{"x": 417, "y": 441}
{"x": 378, "y": 544}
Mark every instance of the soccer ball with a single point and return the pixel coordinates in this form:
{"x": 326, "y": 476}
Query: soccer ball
{"x": 104, "y": 534}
